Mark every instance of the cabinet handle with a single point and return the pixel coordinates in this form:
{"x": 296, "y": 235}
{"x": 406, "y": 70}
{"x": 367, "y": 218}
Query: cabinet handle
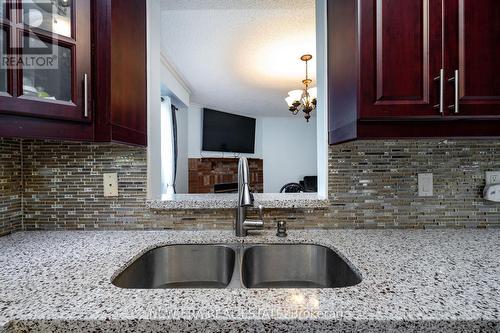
{"x": 456, "y": 79}
{"x": 85, "y": 96}
{"x": 440, "y": 78}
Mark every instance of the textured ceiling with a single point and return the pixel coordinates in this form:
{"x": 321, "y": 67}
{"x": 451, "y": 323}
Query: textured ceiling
{"x": 235, "y": 4}
{"x": 240, "y": 56}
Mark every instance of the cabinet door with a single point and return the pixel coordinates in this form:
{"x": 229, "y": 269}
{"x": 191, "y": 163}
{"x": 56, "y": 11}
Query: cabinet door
{"x": 47, "y": 46}
{"x": 472, "y": 47}
{"x": 5, "y": 75}
{"x": 400, "y": 57}
{"x": 121, "y": 71}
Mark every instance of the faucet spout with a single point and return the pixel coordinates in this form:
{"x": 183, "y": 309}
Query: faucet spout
{"x": 244, "y": 196}
{"x": 246, "y": 199}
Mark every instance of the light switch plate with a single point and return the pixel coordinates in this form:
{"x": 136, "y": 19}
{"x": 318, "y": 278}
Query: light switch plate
{"x": 425, "y": 185}
{"x": 492, "y": 177}
{"x": 110, "y": 184}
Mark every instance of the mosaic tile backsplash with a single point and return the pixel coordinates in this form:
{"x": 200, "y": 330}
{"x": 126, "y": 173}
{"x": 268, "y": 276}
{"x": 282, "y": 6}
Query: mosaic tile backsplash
{"x": 372, "y": 184}
{"x": 10, "y": 186}
{"x": 375, "y": 183}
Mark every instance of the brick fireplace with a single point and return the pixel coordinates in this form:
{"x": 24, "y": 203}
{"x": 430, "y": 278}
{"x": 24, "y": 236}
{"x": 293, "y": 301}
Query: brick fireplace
{"x": 205, "y": 173}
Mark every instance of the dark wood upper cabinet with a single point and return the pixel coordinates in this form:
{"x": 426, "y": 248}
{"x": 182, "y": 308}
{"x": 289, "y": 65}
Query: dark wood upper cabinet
{"x": 96, "y": 91}
{"x": 120, "y": 71}
{"x": 400, "y": 44}
{"x": 473, "y": 49}
{"x": 54, "y": 46}
{"x": 392, "y": 67}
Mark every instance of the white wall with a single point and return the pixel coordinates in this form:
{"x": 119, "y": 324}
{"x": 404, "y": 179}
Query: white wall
{"x": 286, "y": 144}
{"x": 161, "y": 74}
{"x": 195, "y": 128}
{"x": 154, "y": 107}
{"x": 322, "y": 107}
{"x": 181, "y": 183}
{"x": 170, "y": 84}
{"x": 289, "y": 150}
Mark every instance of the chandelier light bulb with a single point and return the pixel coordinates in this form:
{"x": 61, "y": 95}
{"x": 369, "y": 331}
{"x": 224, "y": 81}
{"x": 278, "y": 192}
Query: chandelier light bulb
{"x": 289, "y": 100}
{"x": 296, "y": 95}
{"x": 313, "y": 92}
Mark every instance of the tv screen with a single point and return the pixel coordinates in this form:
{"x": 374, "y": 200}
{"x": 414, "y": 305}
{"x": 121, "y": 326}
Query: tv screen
{"x": 226, "y": 132}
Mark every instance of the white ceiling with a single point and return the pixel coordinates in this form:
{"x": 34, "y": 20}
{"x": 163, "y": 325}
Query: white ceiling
{"x": 240, "y": 56}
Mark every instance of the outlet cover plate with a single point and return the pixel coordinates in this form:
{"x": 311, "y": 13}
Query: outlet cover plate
{"x": 492, "y": 177}
{"x": 110, "y": 182}
{"x": 425, "y": 184}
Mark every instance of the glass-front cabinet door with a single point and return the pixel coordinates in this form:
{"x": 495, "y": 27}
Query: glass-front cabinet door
{"x": 46, "y": 59}
{"x": 3, "y": 72}
{"x": 4, "y": 42}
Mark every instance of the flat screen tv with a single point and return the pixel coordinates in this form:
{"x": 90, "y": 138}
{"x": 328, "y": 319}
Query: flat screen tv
{"x": 226, "y": 132}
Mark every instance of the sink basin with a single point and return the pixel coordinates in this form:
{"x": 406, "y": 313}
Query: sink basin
{"x": 180, "y": 266}
{"x": 295, "y": 266}
{"x": 238, "y": 266}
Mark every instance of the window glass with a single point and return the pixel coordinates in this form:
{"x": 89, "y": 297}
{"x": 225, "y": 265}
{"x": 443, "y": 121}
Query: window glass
{"x": 3, "y": 72}
{"x": 46, "y": 75}
{"x": 50, "y": 15}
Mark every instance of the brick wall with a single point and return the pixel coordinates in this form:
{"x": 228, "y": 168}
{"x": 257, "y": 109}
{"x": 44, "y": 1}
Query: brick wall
{"x": 372, "y": 184}
{"x": 10, "y": 186}
{"x": 204, "y": 173}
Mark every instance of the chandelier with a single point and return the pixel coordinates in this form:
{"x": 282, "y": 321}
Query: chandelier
{"x": 303, "y": 99}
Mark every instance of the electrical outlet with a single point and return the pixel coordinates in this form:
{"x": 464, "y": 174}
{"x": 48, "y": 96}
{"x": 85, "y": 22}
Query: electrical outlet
{"x": 425, "y": 185}
{"x": 110, "y": 184}
{"x": 492, "y": 177}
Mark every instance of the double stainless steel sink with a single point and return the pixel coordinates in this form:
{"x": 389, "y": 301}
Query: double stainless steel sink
{"x": 237, "y": 266}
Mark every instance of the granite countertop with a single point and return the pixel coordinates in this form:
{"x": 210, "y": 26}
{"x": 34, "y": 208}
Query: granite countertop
{"x": 228, "y": 200}
{"x": 435, "y": 281}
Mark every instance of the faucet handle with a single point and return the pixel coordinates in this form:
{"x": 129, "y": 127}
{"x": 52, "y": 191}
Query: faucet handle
{"x": 261, "y": 212}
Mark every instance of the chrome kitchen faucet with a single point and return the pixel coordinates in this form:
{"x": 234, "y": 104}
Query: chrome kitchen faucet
{"x": 245, "y": 200}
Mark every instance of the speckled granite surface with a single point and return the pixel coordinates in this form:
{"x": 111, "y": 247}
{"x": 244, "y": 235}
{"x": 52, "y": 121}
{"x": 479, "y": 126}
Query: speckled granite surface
{"x": 434, "y": 281}
{"x": 228, "y": 200}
